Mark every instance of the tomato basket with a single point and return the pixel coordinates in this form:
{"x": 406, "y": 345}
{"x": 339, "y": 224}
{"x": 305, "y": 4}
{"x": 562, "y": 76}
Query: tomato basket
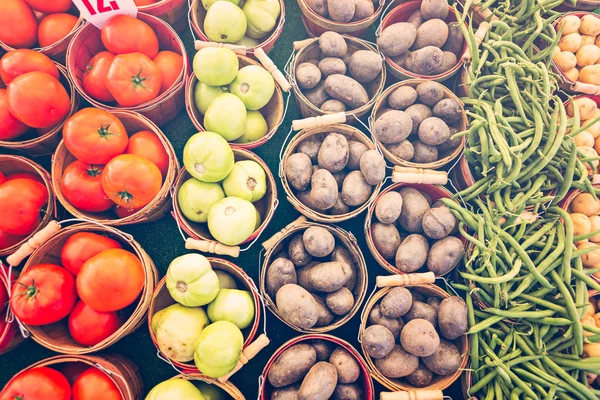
{"x": 173, "y": 12}
{"x": 10, "y": 337}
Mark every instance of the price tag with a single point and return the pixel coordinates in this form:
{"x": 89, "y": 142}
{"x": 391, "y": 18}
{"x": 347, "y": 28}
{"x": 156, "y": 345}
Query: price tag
{"x": 97, "y": 12}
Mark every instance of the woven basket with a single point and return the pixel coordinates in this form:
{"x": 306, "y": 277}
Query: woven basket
{"x": 86, "y": 44}
{"x": 161, "y": 204}
{"x": 401, "y": 14}
{"x": 273, "y": 111}
{"x": 173, "y": 12}
{"x": 14, "y": 164}
{"x": 439, "y": 382}
{"x": 309, "y": 49}
{"x": 275, "y": 245}
{"x": 9, "y": 332}
{"x": 446, "y": 157}
{"x": 56, "y": 337}
{"x": 161, "y": 299}
{"x": 364, "y": 381}
{"x": 42, "y": 142}
{"x": 349, "y": 132}
{"x": 227, "y": 387}
{"x": 198, "y": 13}
{"x": 316, "y": 25}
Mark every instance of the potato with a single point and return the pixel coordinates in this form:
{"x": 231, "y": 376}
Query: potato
{"x": 396, "y": 303}
{"x": 414, "y": 206}
{"x": 346, "y": 90}
{"x": 401, "y": 59}
{"x": 397, "y": 39}
{"x": 427, "y": 60}
{"x": 415, "y": 19}
{"x": 372, "y": 166}
{"x": 403, "y": 150}
{"x": 420, "y": 338}
{"x": 340, "y": 302}
{"x": 424, "y": 153}
{"x": 298, "y": 170}
{"x": 569, "y": 24}
{"x": 324, "y": 191}
{"x": 581, "y": 224}
{"x": 393, "y": 127}
{"x": 341, "y": 254}
{"x": 398, "y": 363}
{"x": 590, "y": 25}
{"x": 402, "y": 97}
{"x": 318, "y": 241}
{"x": 297, "y": 306}
{"x": 307, "y": 75}
{"x": 438, "y": 222}
{"x": 452, "y": 317}
{"x": 434, "y": 302}
{"x": 587, "y": 40}
{"x": 286, "y": 393}
{"x": 585, "y": 203}
{"x": 356, "y": 150}
{"x": 589, "y": 152}
{"x": 572, "y": 74}
{"x": 433, "y": 131}
{"x": 418, "y": 113}
{"x": 421, "y": 377}
{"x": 355, "y": 190}
{"x": 421, "y": 310}
{"x": 412, "y": 253}
{"x": 388, "y": 207}
{"x": 445, "y": 254}
{"x": 378, "y": 341}
{"x": 341, "y": 10}
{"x": 332, "y": 65}
{"x": 310, "y": 147}
{"x": 292, "y": 365}
{"x": 334, "y": 153}
{"x": 363, "y": 9}
{"x": 333, "y": 106}
{"x": 590, "y": 74}
{"x": 449, "y": 61}
{"x": 430, "y": 93}
{"x": 386, "y": 239}
{"x": 323, "y": 348}
{"x": 318, "y": 95}
{"x": 450, "y": 144}
{"x": 346, "y": 365}
{"x": 327, "y": 277}
{"x": 304, "y": 198}
{"x": 595, "y": 221}
{"x": 565, "y": 60}
{"x": 325, "y": 316}
{"x": 365, "y": 65}
{"x": 449, "y": 110}
{"x": 394, "y": 325}
{"x": 445, "y": 361}
{"x": 319, "y": 6}
{"x": 347, "y": 392}
{"x": 592, "y": 259}
{"x": 433, "y": 32}
{"x": 339, "y": 178}
{"x": 587, "y": 55}
{"x": 319, "y": 383}
{"x": 297, "y": 252}
{"x": 280, "y": 272}
{"x": 455, "y": 41}
{"x": 332, "y": 44}
{"x": 434, "y": 9}
{"x": 339, "y": 208}
{"x": 584, "y": 139}
{"x": 417, "y": 296}
{"x": 570, "y": 42}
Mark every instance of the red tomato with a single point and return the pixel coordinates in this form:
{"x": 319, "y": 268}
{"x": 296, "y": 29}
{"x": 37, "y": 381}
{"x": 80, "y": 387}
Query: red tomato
{"x": 123, "y": 34}
{"x": 131, "y": 181}
{"x": 7, "y": 240}
{"x": 92, "y": 382}
{"x": 82, "y": 246}
{"x": 10, "y": 127}
{"x": 44, "y": 294}
{"x": 22, "y": 61}
{"x": 38, "y": 99}
{"x": 111, "y": 280}
{"x": 55, "y": 27}
{"x": 25, "y": 175}
{"x": 81, "y": 185}
{"x": 171, "y": 65}
{"x": 95, "y": 136}
{"x": 2, "y": 178}
{"x": 21, "y": 201}
{"x": 123, "y": 212}
{"x": 89, "y": 327}
{"x": 147, "y": 144}
{"x": 50, "y": 7}
{"x": 41, "y": 383}
{"x": 72, "y": 370}
{"x": 142, "y": 3}
{"x": 18, "y": 24}
{"x": 94, "y": 77}
{"x": 133, "y": 79}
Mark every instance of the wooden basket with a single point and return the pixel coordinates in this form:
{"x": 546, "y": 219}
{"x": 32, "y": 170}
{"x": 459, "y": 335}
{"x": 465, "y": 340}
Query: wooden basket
{"x": 439, "y": 382}
{"x": 309, "y": 49}
{"x": 161, "y": 299}
{"x": 86, "y": 44}
{"x": 121, "y": 371}
{"x": 587, "y": 5}
{"x": 42, "y": 142}
{"x": 365, "y": 377}
{"x": 274, "y": 246}
{"x": 56, "y": 337}
{"x": 401, "y": 14}
{"x": 14, "y": 164}
{"x": 448, "y": 156}
{"x": 173, "y": 12}
{"x": 349, "y": 132}
{"x": 161, "y": 204}
{"x": 10, "y": 336}
{"x": 273, "y": 111}
{"x": 198, "y": 13}
{"x": 227, "y": 387}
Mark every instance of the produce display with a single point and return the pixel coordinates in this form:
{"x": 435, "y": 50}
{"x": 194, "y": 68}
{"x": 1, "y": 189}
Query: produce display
{"x": 578, "y": 54}
{"x": 344, "y": 10}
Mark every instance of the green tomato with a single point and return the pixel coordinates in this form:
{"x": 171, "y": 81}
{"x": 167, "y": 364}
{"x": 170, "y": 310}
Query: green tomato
{"x": 195, "y": 198}
{"x": 254, "y": 85}
{"x": 212, "y": 392}
{"x": 236, "y": 306}
{"x": 226, "y": 116}
{"x": 225, "y": 22}
{"x": 208, "y": 3}
{"x": 216, "y": 66}
{"x": 208, "y": 157}
{"x": 256, "y": 128}
{"x": 191, "y": 280}
{"x": 248, "y": 42}
{"x": 232, "y": 220}
{"x": 218, "y": 349}
{"x": 247, "y": 181}
{"x": 176, "y": 389}
{"x": 261, "y": 16}
{"x": 204, "y": 95}
{"x": 226, "y": 281}
{"x": 177, "y": 329}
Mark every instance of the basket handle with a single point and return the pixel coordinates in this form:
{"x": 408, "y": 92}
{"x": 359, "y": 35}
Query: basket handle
{"x": 272, "y": 68}
{"x": 479, "y": 36}
{"x": 419, "y": 175}
{"x": 241, "y": 50}
{"x": 425, "y": 394}
{"x": 248, "y": 354}
{"x": 36, "y": 241}
{"x": 586, "y": 88}
{"x": 269, "y": 243}
{"x": 300, "y": 44}
{"x": 319, "y": 121}
{"x": 406, "y": 279}
{"x": 210, "y": 246}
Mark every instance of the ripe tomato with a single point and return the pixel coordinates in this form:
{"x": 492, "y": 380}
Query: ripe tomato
{"x": 50, "y": 7}
{"x": 142, "y": 3}
{"x": 94, "y": 77}
{"x": 18, "y": 24}
{"x": 147, "y": 144}
{"x": 81, "y": 185}
{"x": 55, "y": 27}
{"x": 123, "y": 34}
{"x": 92, "y": 382}
{"x": 133, "y": 79}
{"x": 131, "y": 181}
{"x": 111, "y": 280}
{"x": 10, "y": 127}
{"x": 21, "y": 201}
{"x": 44, "y": 294}
{"x": 95, "y": 136}
{"x": 171, "y": 65}
{"x": 82, "y": 246}
{"x": 37, "y": 384}
{"x": 25, "y": 175}
{"x": 38, "y": 99}
{"x": 89, "y": 327}
{"x": 7, "y": 240}
{"x": 123, "y": 212}
{"x": 22, "y": 61}
{"x": 72, "y": 370}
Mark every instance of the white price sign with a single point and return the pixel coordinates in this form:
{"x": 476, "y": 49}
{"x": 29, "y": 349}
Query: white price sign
{"x": 97, "y": 12}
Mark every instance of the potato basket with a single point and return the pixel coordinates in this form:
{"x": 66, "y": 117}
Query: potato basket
{"x": 587, "y": 5}
{"x": 10, "y": 336}
{"x": 173, "y": 12}
{"x": 227, "y": 387}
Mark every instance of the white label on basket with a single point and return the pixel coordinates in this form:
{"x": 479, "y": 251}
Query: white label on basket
{"x": 97, "y": 12}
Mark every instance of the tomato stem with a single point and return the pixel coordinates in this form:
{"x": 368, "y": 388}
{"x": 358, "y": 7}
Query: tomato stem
{"x": 125, "y": 196}
{"x": 138, "y": 80}
{"x": 93, "y": 171}
{"x": 105, "y": 132}
{"x": 31, "y": 291}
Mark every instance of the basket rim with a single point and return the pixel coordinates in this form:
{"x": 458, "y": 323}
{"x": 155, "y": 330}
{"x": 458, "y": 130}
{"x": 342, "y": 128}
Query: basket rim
{"x": 227, "y": 386}
{"x": 332, "y": 25}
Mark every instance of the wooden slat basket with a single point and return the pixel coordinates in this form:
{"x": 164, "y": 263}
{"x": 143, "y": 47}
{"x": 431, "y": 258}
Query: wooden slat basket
{"x": 10, "y": 337}
{"x": 173, "y": 12}
{"x": 227, "y": 387}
